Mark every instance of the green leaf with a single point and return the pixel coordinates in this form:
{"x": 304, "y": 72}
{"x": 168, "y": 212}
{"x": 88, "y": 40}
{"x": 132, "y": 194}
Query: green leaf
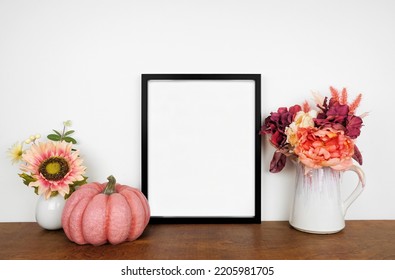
{"x": 27, "y": 179}
{"x": 70, "y": 140}
{"x": 69, "y": 132}
{"x": 53, "y": 137}
{"x": 54, "y": 193}
{"x": 75, "y": 185}
{"x": 79, "y": 183}
{"x": 66, "y": 196}
{"x": 57, "y": 132}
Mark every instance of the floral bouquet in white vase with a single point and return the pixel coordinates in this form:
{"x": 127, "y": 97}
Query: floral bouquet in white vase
{"x": 53, "y": 168}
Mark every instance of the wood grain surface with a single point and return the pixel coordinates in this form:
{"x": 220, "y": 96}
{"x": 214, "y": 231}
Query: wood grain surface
{"x": 370, "y": 240}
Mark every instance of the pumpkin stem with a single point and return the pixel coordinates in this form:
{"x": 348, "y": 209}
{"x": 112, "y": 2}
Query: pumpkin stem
{"x": 110, "y": 187}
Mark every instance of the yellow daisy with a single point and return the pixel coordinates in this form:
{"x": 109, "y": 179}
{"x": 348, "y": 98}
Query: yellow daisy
{"x": 16, "y": 152}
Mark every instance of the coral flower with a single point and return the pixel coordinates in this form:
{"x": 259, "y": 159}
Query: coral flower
{"x": 318, "y": 148}
{"x": 54, "y": 166}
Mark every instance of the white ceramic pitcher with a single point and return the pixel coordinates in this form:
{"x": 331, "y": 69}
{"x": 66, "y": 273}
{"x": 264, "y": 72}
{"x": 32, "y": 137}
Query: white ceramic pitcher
{"x": 317, "y": 205}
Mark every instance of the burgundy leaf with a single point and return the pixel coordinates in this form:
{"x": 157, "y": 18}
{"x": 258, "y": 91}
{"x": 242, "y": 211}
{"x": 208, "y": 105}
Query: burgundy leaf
{"x": 278, "y": 162}
{"x": 278, "y": 139}
{"x": 357, "y": 155}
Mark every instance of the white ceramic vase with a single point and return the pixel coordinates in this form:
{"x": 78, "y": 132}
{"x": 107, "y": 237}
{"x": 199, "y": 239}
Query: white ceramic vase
{"x": 49, "y": 212}
{"x": 317, "y": 205}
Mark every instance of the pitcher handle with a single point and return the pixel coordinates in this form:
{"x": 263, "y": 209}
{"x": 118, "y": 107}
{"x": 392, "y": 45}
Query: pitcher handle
{"x": 358, "y": 190}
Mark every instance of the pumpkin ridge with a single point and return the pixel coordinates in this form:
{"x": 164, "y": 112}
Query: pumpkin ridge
{"x": 119, "y": 218}
{"x": 106, "y": 222}
{"x": 71, "y": 203}
{"x": 93, "y": 222}
{"x": 139, "y": 222}
{"x": 77, "y": 233}
{"x": 120, "y": 189}
{"x": 144, "y": 203}
{"x": 108, "y": 190}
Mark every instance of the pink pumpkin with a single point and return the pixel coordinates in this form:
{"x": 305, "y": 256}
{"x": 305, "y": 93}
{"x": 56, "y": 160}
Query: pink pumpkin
{"x": 109, "y": 212}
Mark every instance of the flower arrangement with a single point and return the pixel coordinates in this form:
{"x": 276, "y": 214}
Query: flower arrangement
{"x": 321, "y": 137}
{"x": 50, "y": 167}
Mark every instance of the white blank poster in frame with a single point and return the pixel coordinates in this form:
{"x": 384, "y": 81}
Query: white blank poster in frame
{"x": 201, "y": 147}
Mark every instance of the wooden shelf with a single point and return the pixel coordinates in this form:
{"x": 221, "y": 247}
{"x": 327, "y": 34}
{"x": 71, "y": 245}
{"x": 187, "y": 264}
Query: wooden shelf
{"x": 268, "y": 240}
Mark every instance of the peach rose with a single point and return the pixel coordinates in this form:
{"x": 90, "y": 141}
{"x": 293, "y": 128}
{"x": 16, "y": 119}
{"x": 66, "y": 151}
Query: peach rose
{"x": 317, "y": 148}
{"x": 301, "y": 120}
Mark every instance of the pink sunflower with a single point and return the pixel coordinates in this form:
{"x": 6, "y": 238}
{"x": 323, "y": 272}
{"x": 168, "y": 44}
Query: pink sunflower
{"x": 54, "y": 166}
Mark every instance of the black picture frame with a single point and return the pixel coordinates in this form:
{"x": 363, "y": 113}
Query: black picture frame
{"x": 166, "y": 95}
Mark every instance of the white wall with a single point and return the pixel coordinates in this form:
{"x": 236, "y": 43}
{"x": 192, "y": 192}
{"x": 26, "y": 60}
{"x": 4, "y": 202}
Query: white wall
{"x": 82, "y": 60}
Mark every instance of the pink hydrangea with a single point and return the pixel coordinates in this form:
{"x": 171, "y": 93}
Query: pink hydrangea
{"x": 277, "y": 123}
